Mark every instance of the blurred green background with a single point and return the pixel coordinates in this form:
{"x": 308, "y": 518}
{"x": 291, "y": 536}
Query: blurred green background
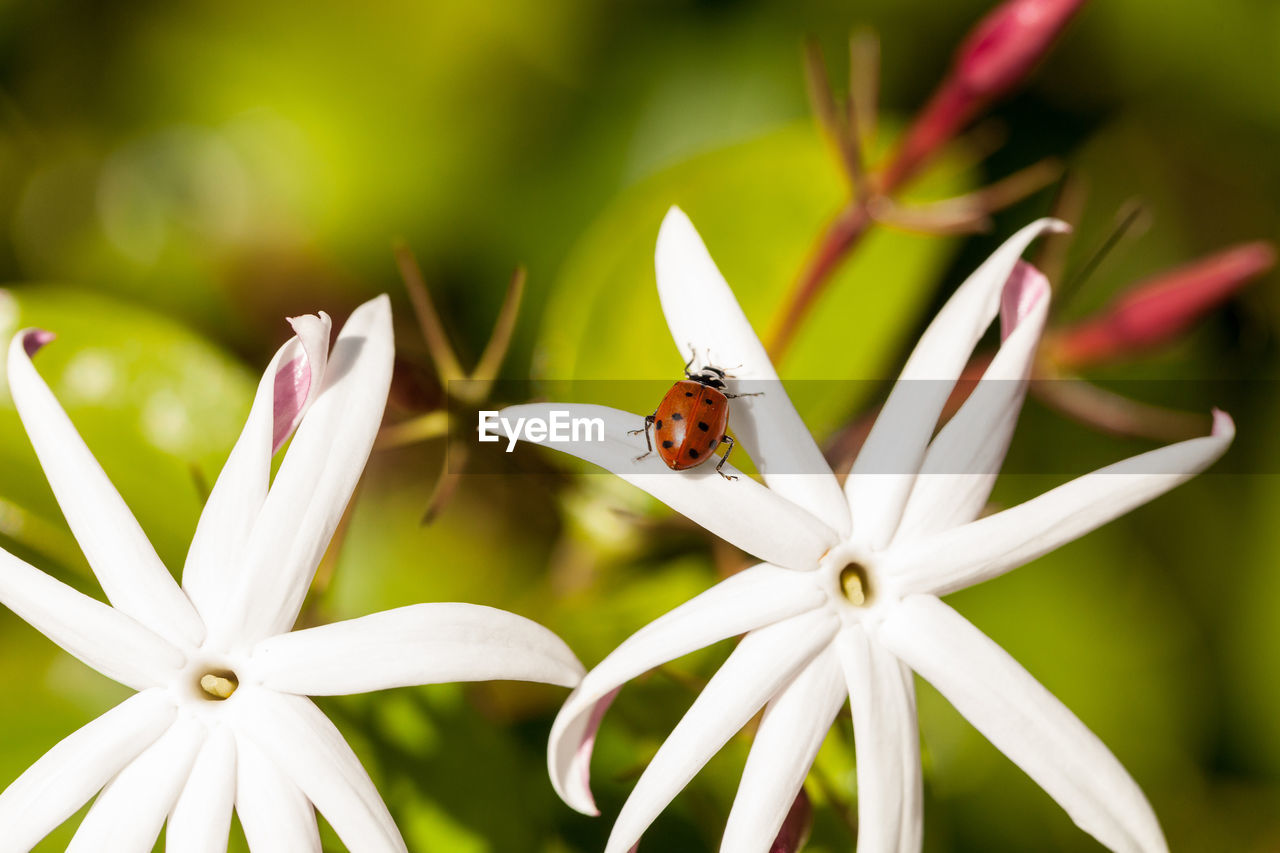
{"x": 177, "y": 178}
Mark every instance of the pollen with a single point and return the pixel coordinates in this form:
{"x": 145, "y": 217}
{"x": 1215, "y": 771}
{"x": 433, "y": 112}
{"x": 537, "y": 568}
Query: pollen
{"x": 218, "y": 686}
{"x": 855, "y": 584}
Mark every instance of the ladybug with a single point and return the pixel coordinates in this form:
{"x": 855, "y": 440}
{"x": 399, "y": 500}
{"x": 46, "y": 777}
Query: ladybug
{"x": 689, "y": 424}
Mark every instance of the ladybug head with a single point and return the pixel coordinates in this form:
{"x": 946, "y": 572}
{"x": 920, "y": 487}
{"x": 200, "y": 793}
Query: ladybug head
{"x": 712, "y": 377}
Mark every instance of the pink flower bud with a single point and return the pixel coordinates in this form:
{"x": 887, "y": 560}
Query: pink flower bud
{"x": 995, "y": 57}
{"x": 1161, "y": 308}
{"x": 795, "y": 829}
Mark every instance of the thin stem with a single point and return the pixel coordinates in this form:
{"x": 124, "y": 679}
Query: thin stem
{"x": 829, "y": 117}
{"x": 499, "y": 342}
{"x": 864, "y": 86}
{"x": 447, "y": 367}
{"x": 431, "y": 425}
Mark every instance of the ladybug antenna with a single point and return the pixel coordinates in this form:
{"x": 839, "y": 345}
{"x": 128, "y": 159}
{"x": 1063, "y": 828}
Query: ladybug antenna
{"x": 693, "y": 354}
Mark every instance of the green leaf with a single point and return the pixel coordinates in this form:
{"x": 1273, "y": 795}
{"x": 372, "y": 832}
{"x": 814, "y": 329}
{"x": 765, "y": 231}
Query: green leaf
{"x": 158, "y": 405}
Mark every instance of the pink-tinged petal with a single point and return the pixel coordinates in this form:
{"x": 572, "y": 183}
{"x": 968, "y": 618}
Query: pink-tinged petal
{"x": 121, "y": 556}
{"x": 964, "y": 459}
{"x": 768, "y": 426}
{"x": 314, "y": 483}
{"x": 274, "y": 812}
{"x": 886, "y": 467}
{"x": 65, "y": 777}
{"x": 307, "y": 748}
{"x": 1024, "y": 721}
{"x": 793, "y": 726}
{"x": 991, "y": 546}
{"x": 104, "y": 638}
{"x": 216, "y": 558}
{"x": 751, "y": 599}
{"x": 34, "y": 340}
{"x": 128, "y": 814}
{"x": 419, "y": 644}
{"x": 762, "y": 664}
{"x": 300, "y": 378}
{"x": 201, "y": 818}
{"x": 742, "y": 512}
{"x": 882, "y": 697}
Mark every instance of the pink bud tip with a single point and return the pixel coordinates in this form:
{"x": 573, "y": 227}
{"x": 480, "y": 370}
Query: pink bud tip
{"x": 796, "y": 826}
{"x": 1158, "y": 310}
{"x": 35, "y": 340}
{"x": 995, "y": 57}
{"x": 1008, "y": 42}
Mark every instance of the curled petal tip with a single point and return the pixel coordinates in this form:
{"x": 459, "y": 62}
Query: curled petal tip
{"x": 33, "y": 340}
{"x": 1223, "y": 425}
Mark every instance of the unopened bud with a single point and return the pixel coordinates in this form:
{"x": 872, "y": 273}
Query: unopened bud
{"x": 1156, "y": 311}
{"x": 995, "y": 57}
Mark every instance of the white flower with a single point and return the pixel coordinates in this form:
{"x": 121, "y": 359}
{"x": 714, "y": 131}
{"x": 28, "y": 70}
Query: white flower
{"x": 221, "y": 719}
{"x": 847, "y": 600}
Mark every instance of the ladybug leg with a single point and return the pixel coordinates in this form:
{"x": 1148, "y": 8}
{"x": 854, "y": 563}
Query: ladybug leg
{"x": 725, "y": 458}
{"x": 752, "y": 394}
{"x": 648, "y": 423}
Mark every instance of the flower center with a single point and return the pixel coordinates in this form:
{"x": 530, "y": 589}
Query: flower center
{"x": 218, "y": 685}
{"x": 855, "y": 584}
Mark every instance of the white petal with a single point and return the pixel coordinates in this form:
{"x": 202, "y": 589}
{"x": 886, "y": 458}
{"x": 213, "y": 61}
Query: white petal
{"x": 101, "y": 636}
{"x": 1024, "y": 721}
{"x": 742, "y": 512}
{"x": 882, "y": 697}
{"x": 121, "y": 556}
{"x": 991, "y": 546}
{"x": 128, "y": 814}
{"x": 274, "y": 812}
{"x": 216, "y": 556}
{"x": 300, "y": 740}
{"x": 886, "y": 467}
{"x": 315, "y": 481}
{"x": 791, "y": 731}
{"x": 201, "y": 818}
{"x": 768, "y": 426}
{"x": 65, "y": 777}
{"x": 751, "y": 599}
{"x": 764, "y": 661}
{"x": 420, "y": 644}
{"x": 965, "y": 458}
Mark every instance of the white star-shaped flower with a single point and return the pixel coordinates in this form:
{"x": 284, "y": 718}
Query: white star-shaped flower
{"x": 221, "y": 720}
{"x": 846, "y": 602}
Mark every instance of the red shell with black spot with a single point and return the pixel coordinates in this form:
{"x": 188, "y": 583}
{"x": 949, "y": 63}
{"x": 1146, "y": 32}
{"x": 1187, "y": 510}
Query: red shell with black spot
{"x": 689, "y": 424}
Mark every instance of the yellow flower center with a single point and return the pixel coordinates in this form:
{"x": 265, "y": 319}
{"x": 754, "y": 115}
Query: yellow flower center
{"x": 217, "y": 686}
{"x": 855, "y": 583}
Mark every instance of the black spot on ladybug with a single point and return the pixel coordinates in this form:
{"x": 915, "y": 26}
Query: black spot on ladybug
{"x": 688, "y": 393}
{"x": 676, "y": 416}
{"x": 708, "y": 401}
{"x": 704, "y": 426}
{"x": 668, "y": 444}
{"x": 659, "y": 424}
{"x": 712, "y": 443}
{"x": 693, "y": 454}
